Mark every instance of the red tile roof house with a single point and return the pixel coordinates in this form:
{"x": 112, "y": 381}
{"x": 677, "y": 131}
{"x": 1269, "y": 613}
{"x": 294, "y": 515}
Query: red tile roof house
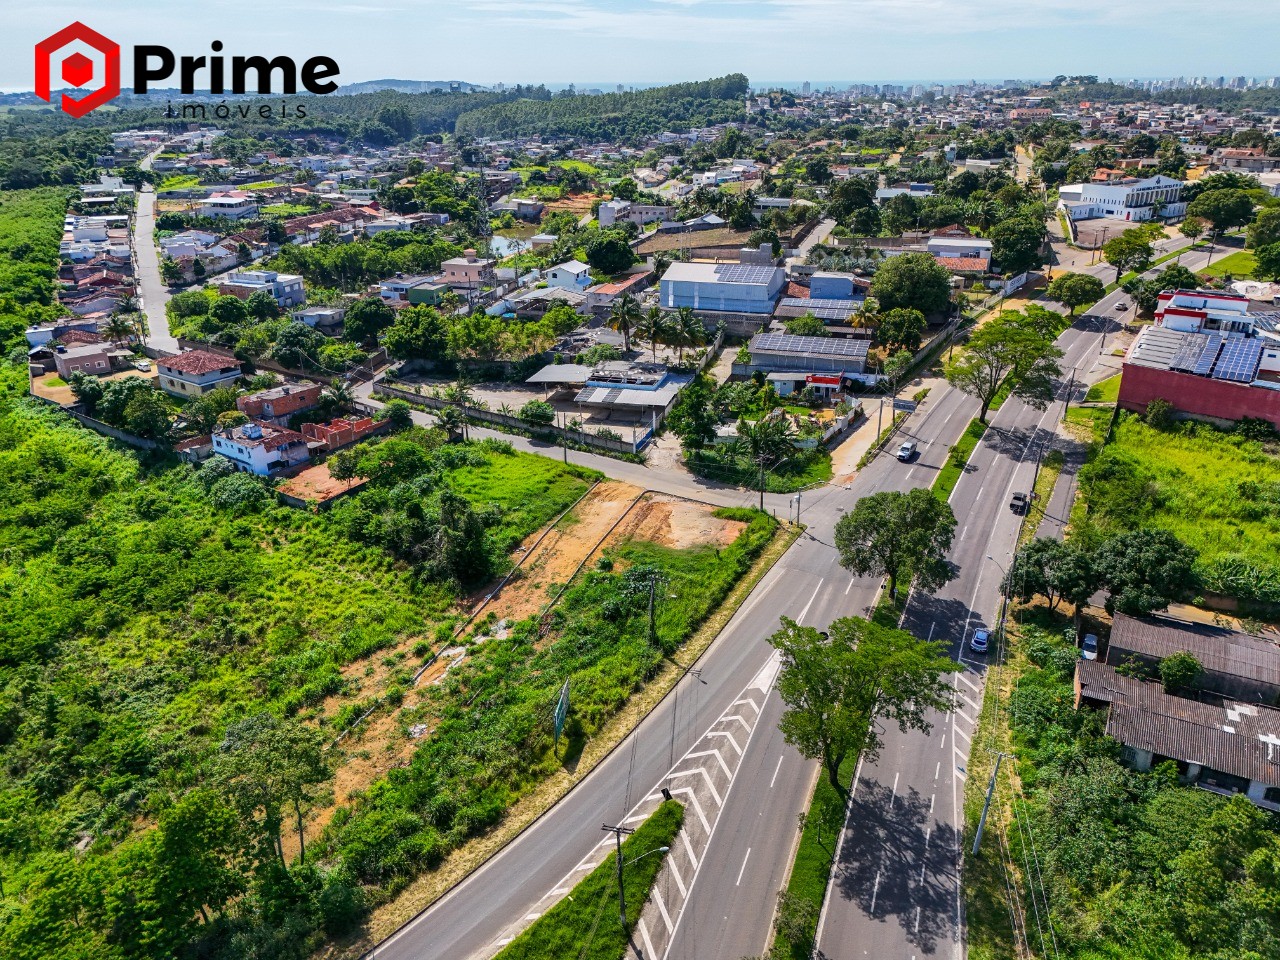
{"x": 262, "y": 448}
{"x": 279, "y": 403}
{"x": 196, "y": 372}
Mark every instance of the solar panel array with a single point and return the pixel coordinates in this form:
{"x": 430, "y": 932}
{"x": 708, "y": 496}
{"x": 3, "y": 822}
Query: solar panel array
{"x": 1188, "y": 353}
{"x": 1208, "y": 355}
{"x": 1239, "y": 361}
{"x": 744, "y": 273}
{"x": 814, "y": 346}
{"x": 822, "y": 309}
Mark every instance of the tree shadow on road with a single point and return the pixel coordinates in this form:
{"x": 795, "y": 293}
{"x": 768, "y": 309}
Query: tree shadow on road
{"x": 898, "y": 864}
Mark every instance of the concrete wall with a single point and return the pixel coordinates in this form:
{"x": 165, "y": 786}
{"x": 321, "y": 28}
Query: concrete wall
{"x": 1197, "y": 396}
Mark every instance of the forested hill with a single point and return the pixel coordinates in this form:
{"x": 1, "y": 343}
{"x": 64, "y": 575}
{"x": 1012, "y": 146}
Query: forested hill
{"x": 613, "y": 115}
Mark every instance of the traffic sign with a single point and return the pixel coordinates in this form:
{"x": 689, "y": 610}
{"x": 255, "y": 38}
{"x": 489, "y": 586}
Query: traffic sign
{"x": 907, "y": 406}
{"x": 562, "y": 710}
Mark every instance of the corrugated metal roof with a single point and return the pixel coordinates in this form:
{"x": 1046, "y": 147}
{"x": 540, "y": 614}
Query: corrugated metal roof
{"x": 1237, "y": 738}
{"x": 1218, "y": 650}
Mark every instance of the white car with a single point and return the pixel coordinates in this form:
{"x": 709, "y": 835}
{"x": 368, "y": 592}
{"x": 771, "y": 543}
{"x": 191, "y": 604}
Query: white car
{"x": 907, "y": 451}
{"x": 143, "y": 365}
{"x": 980, "y": 640}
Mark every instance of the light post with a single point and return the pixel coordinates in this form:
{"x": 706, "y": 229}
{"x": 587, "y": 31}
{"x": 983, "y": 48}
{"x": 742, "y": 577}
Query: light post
{"x": 622, "y": 893}
{"x": 1006, "y": 585}
{"x": 796, "y": 501}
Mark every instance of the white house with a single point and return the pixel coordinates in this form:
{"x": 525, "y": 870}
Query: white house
{"x": 229, "y": 208}
{"x": 572, "y": 275}
{"x": 260, "y": 447}
{"x": 196, "y": 372}
{"x": 1131, "y": 199}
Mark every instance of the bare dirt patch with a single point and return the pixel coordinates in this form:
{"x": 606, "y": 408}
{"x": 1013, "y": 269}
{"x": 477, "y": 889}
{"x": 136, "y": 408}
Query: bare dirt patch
{"x": 316, "y": 483}
{"x": 672, "y": 522}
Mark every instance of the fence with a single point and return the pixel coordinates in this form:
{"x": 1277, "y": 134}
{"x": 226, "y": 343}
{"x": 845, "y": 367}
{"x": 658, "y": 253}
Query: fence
{"x": 580, "y": 437}
{"x": 107, "y": 430}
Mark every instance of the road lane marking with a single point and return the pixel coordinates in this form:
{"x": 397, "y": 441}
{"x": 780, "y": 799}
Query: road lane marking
{"x": 937, "y": 770}
{"x": 728, "y": 736}
{"x": 749, "y": 702}
{"x": 697, "y": 807}
{"x": 971, "y": 686}
{"x": 775, "y": 773}
{"x": 644, "y": 935}
{"x": 675, "y": 875}
{"x": 743, "y": 868}
{"x": 688, "y": 848}
{"x": 662, "y": 909}
{"x": 894, "y": 791}
{"x": 715, "y": 794}
{"x": 931, "y": 796}
{"x": 744, "y": 723}
{"x": 711, "y": 753}
{"x": 848, "y": 588}
{"x": 800, "y": 619}
{"x": 875, "y": 890}
{"x": 917, "y": 920}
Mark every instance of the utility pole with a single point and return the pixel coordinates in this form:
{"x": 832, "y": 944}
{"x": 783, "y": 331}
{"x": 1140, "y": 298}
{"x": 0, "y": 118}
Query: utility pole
{"x": 622, "y": 894}
{"x": 982, "y": 821}
{"x": 1066, "y": 398}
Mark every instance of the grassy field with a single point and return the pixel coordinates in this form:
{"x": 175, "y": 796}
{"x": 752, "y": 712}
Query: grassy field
{"x": 287, "y": 210}
{"x": 1107, "y": 391}
{"x": 958, "y": 457}
{"x": 1217, "y": 491}
{"x": 178, "y": 181}
{"x": 585, "y": 923}
{"x": 805, "y": 468}
{"x": 1239, "y": 265}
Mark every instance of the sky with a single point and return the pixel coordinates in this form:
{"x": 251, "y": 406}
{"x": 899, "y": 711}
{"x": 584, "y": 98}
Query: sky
{"x": 593, "y": 42}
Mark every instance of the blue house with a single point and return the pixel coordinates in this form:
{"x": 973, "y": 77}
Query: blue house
{"x": 723, "y": 287}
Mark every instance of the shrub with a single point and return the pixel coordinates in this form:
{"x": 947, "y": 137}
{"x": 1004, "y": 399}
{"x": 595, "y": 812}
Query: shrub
{"x": 1159, "y": 414}
{"x": 237, "y": 493}
{"x": 538, "y": 412}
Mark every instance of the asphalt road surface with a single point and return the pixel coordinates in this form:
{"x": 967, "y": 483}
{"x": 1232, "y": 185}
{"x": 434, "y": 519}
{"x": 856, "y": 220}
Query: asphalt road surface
{"x": 153, "y": 291}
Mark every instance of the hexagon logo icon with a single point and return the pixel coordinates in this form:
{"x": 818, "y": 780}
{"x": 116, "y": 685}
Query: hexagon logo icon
{"x": 77, "y": 69}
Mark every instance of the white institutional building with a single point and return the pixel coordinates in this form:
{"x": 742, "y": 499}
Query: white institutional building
{"x": 1130, "y": 199}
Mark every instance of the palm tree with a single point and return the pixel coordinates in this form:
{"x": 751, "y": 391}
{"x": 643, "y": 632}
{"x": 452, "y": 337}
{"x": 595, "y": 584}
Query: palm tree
{"x": 340, "y": 394}
{"x": 453, "y": 421}
{"x": 624, "y": 316}
{"x": 118, "y": 328}
{"x": 654, "y": 326}
{"x": 765, "y": 443}
{"x": 689, "y": 331}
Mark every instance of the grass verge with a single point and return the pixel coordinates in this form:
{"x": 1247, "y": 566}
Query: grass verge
{"x": 1105, "y": 391}
{"x": 957, "y": 459}
{"x": 800, "y": 904}
{"x": 1240, "y": 264}
{"x": 585, "y": 923}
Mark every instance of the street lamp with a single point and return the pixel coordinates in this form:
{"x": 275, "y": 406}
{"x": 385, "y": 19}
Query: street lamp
{"x": 796, "y": 501}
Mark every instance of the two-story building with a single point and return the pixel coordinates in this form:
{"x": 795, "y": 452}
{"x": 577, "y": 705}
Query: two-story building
{"x": 1128, "y": 199}
{"x": 573, "y": 275}
{"x": 724, "y": 287}
{"x": 429, "y": 290}
{"x": 229, "y": 208}
{"x": 468, "y": 272}
{"x": 286, "y": 288}
{"x": 1204, "y": 311}
{"x": 261, "y": 448}
{"x": 196, "y": 372}
{"x": 278, "y": 404}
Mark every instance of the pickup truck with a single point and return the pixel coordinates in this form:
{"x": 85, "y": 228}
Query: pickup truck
{"x": 1018, "y": 503}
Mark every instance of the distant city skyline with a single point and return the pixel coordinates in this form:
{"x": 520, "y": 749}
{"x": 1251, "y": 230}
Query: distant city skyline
{"x": 539, "y": 41}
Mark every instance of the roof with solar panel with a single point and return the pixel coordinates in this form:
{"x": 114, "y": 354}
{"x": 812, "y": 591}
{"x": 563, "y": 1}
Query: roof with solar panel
{"x": 822, "y": 309}
{"x": 786, "y": 343}
{"x": 1212, "y": 355}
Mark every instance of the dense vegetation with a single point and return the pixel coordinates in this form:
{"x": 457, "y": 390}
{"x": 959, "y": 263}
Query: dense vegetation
{"x": 1131, "y": 864}
{"x": 616, "y": 116}
{"x": 30, "y": 229}
{"x": 1218, "y": 491}
{"x": 157, "y": 618}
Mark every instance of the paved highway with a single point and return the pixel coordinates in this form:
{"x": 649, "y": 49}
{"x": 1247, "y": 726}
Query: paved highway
{"x": 153, "y": 291}
{"x": 895, "y": 889}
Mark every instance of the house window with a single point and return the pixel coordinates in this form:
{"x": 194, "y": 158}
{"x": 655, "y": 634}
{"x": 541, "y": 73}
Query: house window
{"x": 1271, "y": 795}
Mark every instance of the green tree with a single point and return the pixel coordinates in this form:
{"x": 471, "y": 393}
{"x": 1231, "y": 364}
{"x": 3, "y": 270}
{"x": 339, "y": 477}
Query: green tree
{"x": 1145, "y": 570}
{"x": 267, "y": 766}
{"x": 1192, "y": 228}
{"x": 229, "y": 312}
{"x": 912, "y": 280}
{"x": 261, "y": 305}
{"x": 1265, "y": 229}
{"x": 202, "y": 412}
{"x": 398, "y": 413}
{"x": 418, "y": 333}
{"x": 148, "y": 415}
{"x": 901, "y": 328}
{"x": 687, "y": 330}
{"x": 197, "y": 856}
{"x": 1006, "y": 349}
{"x": 298, "y": 346}
{"x": 1267, "y": 262}
{"x": 87, "y": 390}
{"x": 1076, "y": 290}
{"x": 1223, "y": 209}
{"x": 610, "y": 252}
{"x": 538, "y": 412}
{"x": 1129, "y": 252}
{"x": 365, "y": 319}
{"x": 1016, "y": 244}
{"x": 625, "y": 316}
{"x": 806, "y": 325}
{"x": 693, "y": 419}
{"x": 889, "y": 534}
{"x": 1179, "y": 671}
{"x": 839, "y": 686}
{"x": 654, "y": 326}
